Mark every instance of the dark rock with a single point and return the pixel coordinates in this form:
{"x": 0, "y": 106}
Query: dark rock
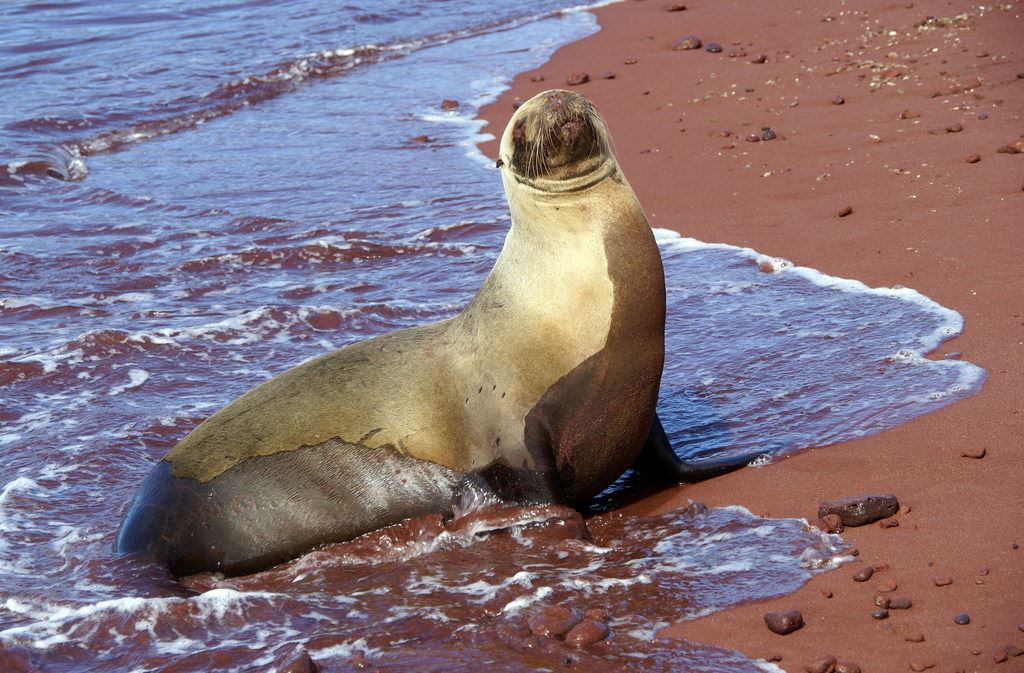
{"x": 767, "y": 134}
{"x": 900, "y": 603}
{"x": 954, "y": 128}
{"x": 597, "y": 614}
{"x": 298, "y": 661}
{"x": 554, "y": 621}
{"x": 909, "y": 114}
{"x": 714, "y": 48}
{"x": 1013, "y": 650}
{"x": 838, "y": 100}
{"x": 577, "y": 78}
{"x": 675, "y": 7}
{"x": 983, "y": 115}
{"x": 847, "y": 667}
{"x": 843, "y": 212}
{"x": 858, "y": 510}
{"x": 686, "y": 42}
{"x": 449, "y": 104}
{"x": 880, "y": 614}
{"x": 587, "y": 632}
{"x": 863, "y": 574}
{"x": 826, "y": 664}
{"x": 753, "y": 137}
{"x": 882, "y": 601}
{"x": 977, "y": 453}
{"x": 973, "y": 158}
{"x": 962, "y": 619}
{"x": 760, "y": 58}
{"x": 783, "y": 623}
{"x": 608, "y": 74}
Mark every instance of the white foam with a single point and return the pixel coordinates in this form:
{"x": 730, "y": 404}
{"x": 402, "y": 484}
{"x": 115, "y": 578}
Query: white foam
{"x": 136, "y": 377}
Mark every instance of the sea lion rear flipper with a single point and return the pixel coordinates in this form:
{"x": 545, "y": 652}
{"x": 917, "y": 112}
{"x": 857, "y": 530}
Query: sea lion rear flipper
{"x": 658, "y": 462}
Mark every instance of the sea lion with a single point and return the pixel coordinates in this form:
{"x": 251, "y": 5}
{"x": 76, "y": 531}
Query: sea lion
{"x": 542, "y": 389}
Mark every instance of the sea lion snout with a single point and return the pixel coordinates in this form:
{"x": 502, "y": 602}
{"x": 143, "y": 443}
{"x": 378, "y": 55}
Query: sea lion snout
{"x": 556, "y": 135}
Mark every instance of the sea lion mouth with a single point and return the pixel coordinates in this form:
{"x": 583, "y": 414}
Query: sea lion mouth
{"x": 557, "y": 137}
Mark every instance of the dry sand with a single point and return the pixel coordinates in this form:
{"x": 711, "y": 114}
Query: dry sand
{"x": 923, "y": 216}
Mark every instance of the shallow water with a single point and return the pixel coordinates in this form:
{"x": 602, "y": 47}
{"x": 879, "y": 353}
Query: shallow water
{"x": 245, "y": 194}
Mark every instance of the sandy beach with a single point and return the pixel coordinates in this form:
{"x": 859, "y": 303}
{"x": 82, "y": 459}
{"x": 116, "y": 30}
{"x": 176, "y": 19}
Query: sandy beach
{"x": 899, "y": 113}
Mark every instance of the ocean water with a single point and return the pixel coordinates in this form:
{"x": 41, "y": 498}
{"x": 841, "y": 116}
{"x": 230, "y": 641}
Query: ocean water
{"x": 196, "y": 196}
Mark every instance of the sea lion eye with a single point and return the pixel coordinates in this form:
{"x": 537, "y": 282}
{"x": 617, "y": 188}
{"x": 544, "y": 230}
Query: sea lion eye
{"x": 499, "y": 163}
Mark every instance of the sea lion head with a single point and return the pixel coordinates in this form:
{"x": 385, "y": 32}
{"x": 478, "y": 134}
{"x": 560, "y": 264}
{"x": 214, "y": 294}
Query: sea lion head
{"x": 556, "y": 142}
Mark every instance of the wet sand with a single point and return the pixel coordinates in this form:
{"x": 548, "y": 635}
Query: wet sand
{"x": 878, "y": 109}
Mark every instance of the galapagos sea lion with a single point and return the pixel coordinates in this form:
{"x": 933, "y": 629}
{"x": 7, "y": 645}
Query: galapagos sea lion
{"x": 542, "y": 389}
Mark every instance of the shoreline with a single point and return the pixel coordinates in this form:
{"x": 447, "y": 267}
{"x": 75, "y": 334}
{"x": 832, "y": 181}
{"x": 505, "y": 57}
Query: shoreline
{"x": 919, "y": 96}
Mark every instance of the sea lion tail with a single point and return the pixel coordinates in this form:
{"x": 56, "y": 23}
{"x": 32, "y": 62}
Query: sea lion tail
{"x": 691, "y": 472}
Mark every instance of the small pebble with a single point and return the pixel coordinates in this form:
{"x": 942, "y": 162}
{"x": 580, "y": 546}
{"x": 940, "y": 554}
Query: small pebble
{"x": 916, "y": 637}
{"x": 785, "y": 622}
{"x": 826, "y": 593}
{"x": 954, "y": 128}
{"x": 973, "y": 158}
{"x": 420, "y": 139}
{"x": 882, "y": 601}
{"x": 886, "y": 586}
{"x": 767, "y": 134}
{"x": 449, "y": 104}
{"x": 921, "y": 666}
{"x": 577, "y": 78}
{"x": 962, "y": 619}
{"x": 999, "y": 657}
{"x": 942, "y": 581}
{"x": 630, "y": 61}
{"x": 537, "y": 78}
{"x": 608, "y": 74}
{"x": 753, "y": 137}
{"x": 826, "y": 664}
{"x": 977, "y": 453}
{"x": 901, "y": 603}
{"x": 686, "y": 42}
{"x": 760, "y": 58}
{"x": 833, "y": 524}
{"x": 845, "y": 211}
{"x": 847, "y": 667}
{"x": 864, "y": 574}
{"x": 714, "y": 47}
{"x": 586, "y": 632}
{"x": 983, "y": 115}
{"x": 888, "y": 523}
{"x": 880, "y": 614}
{"x": 838, "y": 100}
{"x": 909, "y": 114}
{"x": 676, "y": 7}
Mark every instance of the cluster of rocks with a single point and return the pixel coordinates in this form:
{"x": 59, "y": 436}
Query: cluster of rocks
{"x": 570, "y": 625}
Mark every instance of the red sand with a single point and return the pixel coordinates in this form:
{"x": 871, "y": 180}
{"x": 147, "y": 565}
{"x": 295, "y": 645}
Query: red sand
{"x": 923, "y": 216}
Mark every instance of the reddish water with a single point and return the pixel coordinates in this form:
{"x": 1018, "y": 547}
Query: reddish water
{"x": 197, "y": 196}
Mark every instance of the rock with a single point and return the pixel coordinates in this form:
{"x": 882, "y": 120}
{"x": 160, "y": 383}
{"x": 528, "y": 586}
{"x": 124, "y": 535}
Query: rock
{"x": 767, "y": 134}
{"x": 942, "y": 580}
{"x": 784, "y": 623}
{"x": 737, "y": 53}
{"x": 1013, "y": 147}
{"x": 577, "y": 78}
{"x": 880, "y": 614}
{"x": 357, "y": 661}
{"x": 553, "y": 621}
{"x": 608, "y": 74}
{"x": 962, "y": 619}
{"x": 886, "y": 586}
{"x": 888, "y": 523}
{"x": 449, "y": 104}
{"x": 921, "y": 665}
{"x": 978, "y": 453}
{"x": 597, "y": 614}
{"x": 587, "y": 632}
{"x": 973, "y": 159}
{"x": 847, "y": 667}
{"x": 843, "y": 212}
{"x": 863, "y": 574}
{"x": 954, "y": 128}
{"x": 675, "y": 7}
{"x": 686, "y": 42}
{"x": 900, "y": 603}
{"x": 826, "y": 664}
{"x": 858, "y": 510}
{"x": 760, "y": 58}
{"x": 714, "y": 48}
{"x": 882, "y": 601}
{"x": 838, "y": 100}
{"x": 826, "y": 593}
{"x": 420, "y": 139}
{"x": 537, "y": 78}
{"x": 753, "y": 137}
{"x": 909, "y": 114}
{"x": 915, "y": 637}
{"x": 982, "y": 116}
{"x": 1013, "y": 650}
{"x": 999, "y": 657}
{"x": 297, "y": 661}
{"x": 630, "y": 61}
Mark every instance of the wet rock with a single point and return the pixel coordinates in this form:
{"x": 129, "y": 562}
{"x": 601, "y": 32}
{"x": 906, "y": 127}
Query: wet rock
{"x": 915, "y": 637}
{"x": 587, "y": 632}
{"x": 942, "y": 580}
{"x": 900, "y": 603}
{"x": 675, "y": 7}
{"x": 921, "y": 666}
{"x": 537, "y": 78}
{"x": 843, "y": 212}
{"x": 886, "y": 586}
{"x": 597, "y": 614}
{"x": 421, "y": 139}
{"x": 882, "y": 601}
{"x": 449, "y": 104}
{"x": 826, "y": 664}
{"x": 767, "y": 134}
{"x": 608, "y": 74}
{"x": 1015, "y": 146}
{"x": 954, "y": 128}
{"x": 880, "y": 614}
{"x": 863, "y": 574}
{"x": 553, "y": 621}
{"x": 686, "y": 42}
{"x": 784, "y": 622}
{"x": 760, "y": 58}
{"x": 858, "y": 510}
{"x": 838, "y": 100}
{"x": 577, "y": 78}
{"x": 973, "y": 158}
{"x": 847, "y": 667}
{"x": 298, "y": 661}
{"x": 962, "y": 619}
{"x": 16, "y": 659}
{"x": 977, "y": 454}
{"x": 909, "y": 114}
{"x": 358, "y": 661}
{"x": 714, "y": 48}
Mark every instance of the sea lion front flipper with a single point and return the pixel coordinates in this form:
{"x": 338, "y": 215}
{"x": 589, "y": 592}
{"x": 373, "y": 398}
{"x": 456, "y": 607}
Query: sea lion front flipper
{"x": 659, "y": 463}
